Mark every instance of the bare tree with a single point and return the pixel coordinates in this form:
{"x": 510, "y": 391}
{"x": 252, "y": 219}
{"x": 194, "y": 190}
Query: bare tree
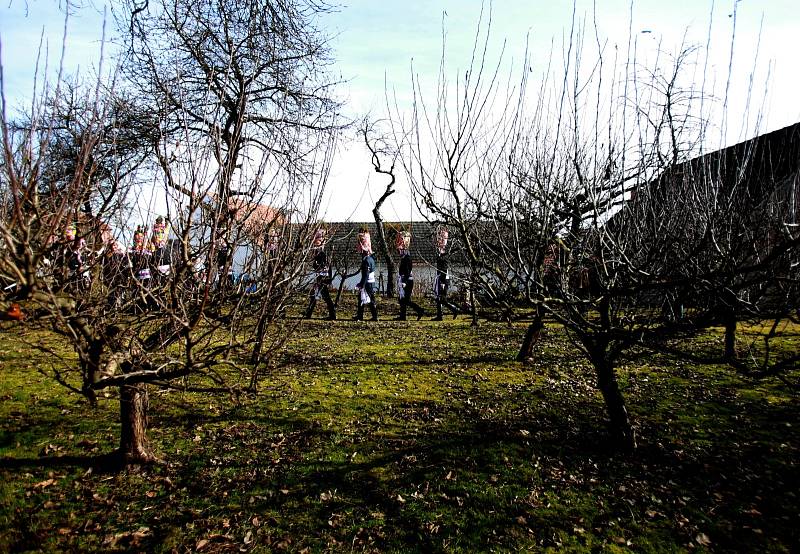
{"x": 124, "y": 136}
{"x": 589, "y": 205}
{"x": 380, "y": 150}
{"x": 455, "y": 145}
{"x": 247, "y": 83}
{"x": 196, "y": 303}
{"x": 247, "y": 77}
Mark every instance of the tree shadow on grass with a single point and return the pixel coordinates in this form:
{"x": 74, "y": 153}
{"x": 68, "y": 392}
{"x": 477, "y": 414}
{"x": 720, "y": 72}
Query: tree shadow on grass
{"x": 384, "y": 477}
{"x": 381, "y": 479}
{"x": 110, "y": 462}
{"x": 507, "y": 471}
{"x": 465, "y": 467}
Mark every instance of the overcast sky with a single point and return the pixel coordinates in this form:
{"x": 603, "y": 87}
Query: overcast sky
{"x": 375, "y": 42}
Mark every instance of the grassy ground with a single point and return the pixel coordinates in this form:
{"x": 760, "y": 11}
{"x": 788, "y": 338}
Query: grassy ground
{"x": 408, "y": 436}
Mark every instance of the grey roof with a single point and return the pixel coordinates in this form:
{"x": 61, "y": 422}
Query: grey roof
{"x": 755, "y": 169}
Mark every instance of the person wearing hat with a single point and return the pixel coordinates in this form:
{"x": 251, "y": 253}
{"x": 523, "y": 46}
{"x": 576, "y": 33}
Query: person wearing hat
{"x": 66, "y": 255}
{"x": 442, "y": 281}
{"x": 366, "y": 286}
{"x": 405, "y": 277}
{"x": 78, "y": 272}
{"x": 160, "y": 234}
{"x": 322, "y": 278}
{"x": 158, "y": 245}
{"x": 138, "y": 239}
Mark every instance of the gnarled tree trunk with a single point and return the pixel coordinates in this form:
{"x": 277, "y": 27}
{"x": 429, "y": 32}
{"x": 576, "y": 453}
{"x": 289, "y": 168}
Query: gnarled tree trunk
{"x": 730, "y": 336}
{"x": 729, "y": 303}
{"x": 532, "y": 335}
{"x": 390, "y": 268}
{"x": 376, "y": 149}
{"x": 620, "y": 428}
{"x": 134, "y": 447}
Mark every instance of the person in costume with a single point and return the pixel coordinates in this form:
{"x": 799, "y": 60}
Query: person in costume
{"x": 70, "y": 233}
{"x": 65, "y": 256}
{"x": 158, "y": 243}
{"x": 77, "y": 270}
{"x": 138, "y": 239}
{"x": 116, "y": 272}
{"x": 140, "y": 255}
{"x": 75, "y": 261}
{"x": 160, "y": 233}
{"x": 225, "y": 274}
{"x": 442, "y": 281}
{"x": 322, "y": 278}
{"x": 405, "y": 277}
{"x": 366, "y": 286}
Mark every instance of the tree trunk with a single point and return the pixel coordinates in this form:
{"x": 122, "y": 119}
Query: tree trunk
{"x": 339, "y": 292}
{"x": 258, "y": 342}
{"x": 90, "y": 352}
{"x": 345, "y": 277}
{"x": 473, "y": 304}
{"x": 729, "y": 305}
{"x": 134, "y": 447}
{"x": 90, "y": 365}
{"x": 730, "y": 337}
{"x": 622, "y": 432}
{"x": 376, "y": 150}
{"x": 384, "y": 250}
{"x": 531, "y": 338}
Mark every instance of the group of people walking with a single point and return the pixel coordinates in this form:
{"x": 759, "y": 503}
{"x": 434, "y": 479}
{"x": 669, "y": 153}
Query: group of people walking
{"x": 148, "y": 260}
{"x": 366, "y": 284}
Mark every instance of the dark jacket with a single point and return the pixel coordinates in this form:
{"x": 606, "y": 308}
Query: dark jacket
{"x": 406, "y": 265}
{"x": 367, "y": 267}
{"x": 441, "y": 268}
{"x": 320, "y": 261}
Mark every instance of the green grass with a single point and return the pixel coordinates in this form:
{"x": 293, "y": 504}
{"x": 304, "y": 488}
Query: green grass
{"x": 404, "y": 437}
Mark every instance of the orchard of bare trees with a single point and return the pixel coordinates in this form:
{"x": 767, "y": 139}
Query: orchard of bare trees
{"x": 597, "y": 199}
{"x": 602, "y": 200}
